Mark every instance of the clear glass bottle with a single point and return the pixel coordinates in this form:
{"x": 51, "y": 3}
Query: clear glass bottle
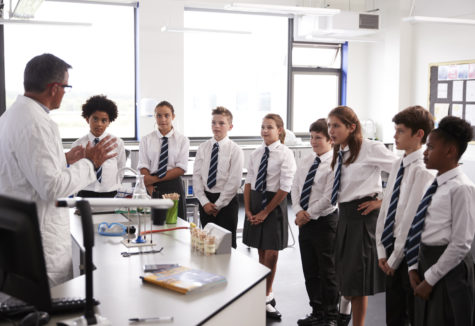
{"x": 140, "y": 192}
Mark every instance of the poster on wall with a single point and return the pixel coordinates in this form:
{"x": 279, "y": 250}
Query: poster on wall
{"x": 462, "y": 72}
{"x": 471, "y": 71}
{"x": 470, "y": 91}
{"x": 443, "y": 71}
{"x": 470, "y": 113}
{"x": 441, "y": 110}
{"x": 442, "y": 90}
{"x": 452, "y": 74}
{"x": 457, "y": 110}
{"x": 457, "y": 91}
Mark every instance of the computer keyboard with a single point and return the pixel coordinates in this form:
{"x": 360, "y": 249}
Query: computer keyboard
{"x": 14, "y": 307}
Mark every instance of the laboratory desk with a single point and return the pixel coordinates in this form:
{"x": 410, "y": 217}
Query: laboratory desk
{"x": 122, "y": 295}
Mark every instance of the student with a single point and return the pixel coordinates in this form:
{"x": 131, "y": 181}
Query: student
{"x": 217, "y": 174}
{"x": 269, "y": 178}
{"x": 317, "y": 219}
{"x": 163, "y": 156}
{"x": 99, "y": 112}
{"x": 407, "y": 183}
{"x": 357, "y": 164}
{"x": 438, "y": 242}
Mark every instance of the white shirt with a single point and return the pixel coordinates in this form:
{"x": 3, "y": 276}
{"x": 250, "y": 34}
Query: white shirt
{"x": 319, "y": 203}
{"x": 363, "y": 177}
{"x": 449, "y": 220}
{"x": 415, "y": 181}
{"x": 110, "y": 168}
{"x": 280, "y": 167}
{"x": 229, "y": 174}
{"x": 151, "y": 144}
{"x": 33, "y": 167}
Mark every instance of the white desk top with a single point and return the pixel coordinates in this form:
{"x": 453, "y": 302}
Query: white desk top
{"x": 123, "y": 295}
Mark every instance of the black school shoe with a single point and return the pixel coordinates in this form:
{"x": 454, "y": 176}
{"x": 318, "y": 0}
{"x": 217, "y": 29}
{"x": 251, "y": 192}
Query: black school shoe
{"x": 314, "y": 319}
{"x": 344, "y": 319}
{"x": 272, "y": 313}
{"x": 272, "y": 302}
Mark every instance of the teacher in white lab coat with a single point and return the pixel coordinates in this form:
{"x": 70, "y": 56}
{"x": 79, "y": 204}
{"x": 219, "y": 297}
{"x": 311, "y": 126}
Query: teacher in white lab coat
{"x": 33, "y": 165}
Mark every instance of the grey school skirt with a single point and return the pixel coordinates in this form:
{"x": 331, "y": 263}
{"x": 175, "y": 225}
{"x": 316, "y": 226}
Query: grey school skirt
{"x": 356, "y": 258}
{"x": 452, "y": 298}
{"x": 272, "y": 234}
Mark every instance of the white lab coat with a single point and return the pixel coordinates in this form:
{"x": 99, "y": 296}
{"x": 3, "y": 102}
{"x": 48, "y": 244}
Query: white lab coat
{"x": 33, "y": 167}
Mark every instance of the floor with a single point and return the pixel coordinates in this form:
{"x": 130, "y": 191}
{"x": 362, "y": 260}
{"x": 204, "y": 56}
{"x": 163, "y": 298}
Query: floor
{"x": 289, "y": 286}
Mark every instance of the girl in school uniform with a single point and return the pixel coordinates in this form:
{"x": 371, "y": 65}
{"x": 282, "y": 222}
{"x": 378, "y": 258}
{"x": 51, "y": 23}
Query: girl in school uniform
{"x": 269, "y": 178}
{"x": 438, "y": 243}
{"x": 357, "y": 163}
{"x": 163, "y": 156}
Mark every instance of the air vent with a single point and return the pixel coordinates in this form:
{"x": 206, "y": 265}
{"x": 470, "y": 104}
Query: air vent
{"x": 368, "y": 21}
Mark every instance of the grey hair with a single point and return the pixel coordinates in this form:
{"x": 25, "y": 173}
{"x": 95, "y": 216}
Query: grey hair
{"x": 43, "y": 70}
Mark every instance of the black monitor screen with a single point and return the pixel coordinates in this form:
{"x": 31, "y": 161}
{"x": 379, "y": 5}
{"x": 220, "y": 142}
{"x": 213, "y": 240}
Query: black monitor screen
{"x": 22, "y": 264}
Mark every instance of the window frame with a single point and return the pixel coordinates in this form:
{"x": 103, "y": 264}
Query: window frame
{"x": 135, "y": 6}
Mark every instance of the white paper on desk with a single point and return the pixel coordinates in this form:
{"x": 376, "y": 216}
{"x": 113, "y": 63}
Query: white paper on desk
{"x": 457, "y": 110}
{"x": 470, "y": 91}
{"x": 457, "y": 91}
{"x": 470, "y": 113}
{"x": 441, "y": 110}
{"x": 108, "y": 218}
{"x": 442, "y": 90}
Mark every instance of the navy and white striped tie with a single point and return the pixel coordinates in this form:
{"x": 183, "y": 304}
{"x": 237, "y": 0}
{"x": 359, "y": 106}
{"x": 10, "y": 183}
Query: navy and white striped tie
{"x": 387, "y": 238}
{"x": 213, "y": 166}
{"x": 336, "y": 183}
{"x": 261, "y": 183}
{"x": 413, "y": 241}
{"x": 99, "y": 170}
{"x": 163, "y": 160}
{"x": 307, "y": 186}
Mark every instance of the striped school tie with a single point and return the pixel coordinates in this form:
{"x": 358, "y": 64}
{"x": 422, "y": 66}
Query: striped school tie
{"x": 414, "y": 237}
{"x": 213, "y": 166}
{"x": 336, "y": 183}
{"x": 261, "y": 183}
{"x": 307, "y": 186}
{"x": 387, "y": 238}
{"x": 99, "y": 170}
{"x": 163, "y": 160}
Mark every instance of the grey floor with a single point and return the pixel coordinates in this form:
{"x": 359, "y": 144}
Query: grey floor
{"x": 289, "y": 286}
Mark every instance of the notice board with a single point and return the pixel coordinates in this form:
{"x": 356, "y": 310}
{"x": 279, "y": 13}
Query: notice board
{"x": 452, "y": 90}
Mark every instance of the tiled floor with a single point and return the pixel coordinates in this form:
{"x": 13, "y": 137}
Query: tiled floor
{"x": 289, "y": 286}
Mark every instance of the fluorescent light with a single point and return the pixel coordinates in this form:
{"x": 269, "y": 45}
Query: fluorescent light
{"x": 201, "y": 30}
{"x": 42, "y": 22}
{"x": 443, "y": 20}
{"x": 26, "y": 8}
{"x": 286, "y": 10}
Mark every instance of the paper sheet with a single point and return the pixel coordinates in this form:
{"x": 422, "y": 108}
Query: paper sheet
{"x": 440, "y": 111}
{"x": 457, "y": 110}
{"x": 470, "y": 113}
{"x": 442, "y": 90}
{"x": 457, "y": 91}
{"x": 470, "y": 91}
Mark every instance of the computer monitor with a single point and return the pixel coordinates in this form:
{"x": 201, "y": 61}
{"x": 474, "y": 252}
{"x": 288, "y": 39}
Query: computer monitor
{"x": 22, "y": 264}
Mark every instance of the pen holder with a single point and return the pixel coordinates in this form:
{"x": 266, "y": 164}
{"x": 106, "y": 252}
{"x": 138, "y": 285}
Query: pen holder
{"x": 172, "y": 213}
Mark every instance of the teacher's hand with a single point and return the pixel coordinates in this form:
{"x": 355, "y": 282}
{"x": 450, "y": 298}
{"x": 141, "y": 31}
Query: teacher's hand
{"x": 101, "y": 152}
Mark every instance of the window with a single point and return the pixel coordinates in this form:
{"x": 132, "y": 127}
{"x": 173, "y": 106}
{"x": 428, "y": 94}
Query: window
{"x": 239, "y": 62}
{"x": 316, "y": 72}
{"x": 93, "y": 53}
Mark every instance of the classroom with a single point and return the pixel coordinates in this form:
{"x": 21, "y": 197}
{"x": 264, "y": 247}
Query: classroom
{"x": 157, "y": 72}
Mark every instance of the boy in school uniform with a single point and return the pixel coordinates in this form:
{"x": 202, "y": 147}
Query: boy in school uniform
{"x": 99, "y": 112}
{"x": 407, "y": 183}
{"x": 438, "y": 243}
{"x": 317, "y": 219}
{"x": 217, "y": 175}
